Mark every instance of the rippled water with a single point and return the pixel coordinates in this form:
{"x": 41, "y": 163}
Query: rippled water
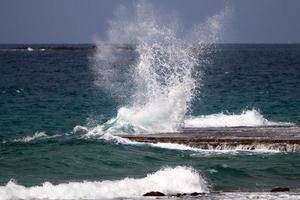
{"x": 48, "y": 93}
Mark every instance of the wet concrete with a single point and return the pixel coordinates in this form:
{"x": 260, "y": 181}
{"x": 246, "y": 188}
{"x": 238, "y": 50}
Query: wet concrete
{"x": 280, "y": 138}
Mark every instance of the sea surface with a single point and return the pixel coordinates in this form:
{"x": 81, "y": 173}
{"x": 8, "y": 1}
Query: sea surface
{"x": 62, "y": 105}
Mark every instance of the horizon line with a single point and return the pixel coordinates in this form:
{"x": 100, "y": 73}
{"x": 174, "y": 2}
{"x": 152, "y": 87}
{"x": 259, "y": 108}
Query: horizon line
{"x": 90, "y": 43}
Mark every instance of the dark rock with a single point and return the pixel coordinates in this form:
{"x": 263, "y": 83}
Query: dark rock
{"x": 195, "y": 194}
{"x": 180, "y": 194}
{"x": 154, "y": 193}
{"x": 187, "y": 194}
{"x": 280, "y": 189}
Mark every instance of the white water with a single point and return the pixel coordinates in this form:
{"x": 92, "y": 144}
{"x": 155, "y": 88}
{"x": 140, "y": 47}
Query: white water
{"x": 221, "y": 149}
{"x": 163, "y": 75}
{"x": 246, "y": 118}
{"x": 167, "y": 180}
{"x": 162, "y": 82}
{"x": 37, "y": 135}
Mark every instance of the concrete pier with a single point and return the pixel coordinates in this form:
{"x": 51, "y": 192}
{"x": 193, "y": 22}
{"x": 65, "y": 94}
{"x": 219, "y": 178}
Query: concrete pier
{"x": 278, "y": 138}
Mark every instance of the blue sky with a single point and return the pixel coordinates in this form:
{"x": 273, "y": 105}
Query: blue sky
{"x": 81, "y": 21}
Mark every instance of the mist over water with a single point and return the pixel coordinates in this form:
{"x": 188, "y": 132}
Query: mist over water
{"x": 162, "y": 81}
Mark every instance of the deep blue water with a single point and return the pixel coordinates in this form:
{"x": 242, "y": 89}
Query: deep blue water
{"x": 265, "y": 77}
{"x": 53, "y": 91}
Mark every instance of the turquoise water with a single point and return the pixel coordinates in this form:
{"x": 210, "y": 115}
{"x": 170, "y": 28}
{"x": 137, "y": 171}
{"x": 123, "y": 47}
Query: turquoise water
{"x": 50, "y": 92}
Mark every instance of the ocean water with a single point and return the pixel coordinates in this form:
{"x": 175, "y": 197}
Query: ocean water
{"x": 46, "y": 95}
{"x": 64, "y": 108}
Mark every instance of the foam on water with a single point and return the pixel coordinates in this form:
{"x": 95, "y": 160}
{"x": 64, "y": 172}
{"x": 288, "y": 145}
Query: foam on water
{"x": 221, "y": 149}
{"x": 37, "y": 135}
{"x": 167, "y": 180}
{"x": 246, "y": 118}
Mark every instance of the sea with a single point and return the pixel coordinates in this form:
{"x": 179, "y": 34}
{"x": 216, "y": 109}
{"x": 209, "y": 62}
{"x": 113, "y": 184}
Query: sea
{"x": 58, "y": 122}
{"x": 65, "y": 110}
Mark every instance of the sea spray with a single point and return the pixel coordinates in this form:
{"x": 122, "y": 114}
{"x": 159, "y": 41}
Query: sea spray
{"x": 161, "y": 81}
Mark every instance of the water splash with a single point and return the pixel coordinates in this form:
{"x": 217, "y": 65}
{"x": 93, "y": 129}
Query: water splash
{"x": 161, "y": 81}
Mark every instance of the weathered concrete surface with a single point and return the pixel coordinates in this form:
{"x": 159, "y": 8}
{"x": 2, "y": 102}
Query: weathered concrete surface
{"x": 281, "y": 138}
{"x": 236, "y": 196}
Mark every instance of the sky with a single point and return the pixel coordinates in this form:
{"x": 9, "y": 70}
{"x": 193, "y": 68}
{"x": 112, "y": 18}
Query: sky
{"x": 83, "y": 21}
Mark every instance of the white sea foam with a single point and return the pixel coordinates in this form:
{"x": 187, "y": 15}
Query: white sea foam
{"x": 167, "y": 180}
{"x": 37, "y": 135}
{"x": 98, "y": 133}
{"x": 80, "y": 129}
{"x": 223, "y": 148}
{"x": 174, "y": 146}
{"x": 246, "y": 118}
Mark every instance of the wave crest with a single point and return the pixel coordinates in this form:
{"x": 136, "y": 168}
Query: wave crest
{"x": 167, "y": 180}
{"x": 246, "y": 118}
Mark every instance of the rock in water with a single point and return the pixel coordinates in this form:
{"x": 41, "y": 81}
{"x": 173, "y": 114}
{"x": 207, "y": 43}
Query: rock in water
{"x": 280, "y": 189}
{"x": 195, "y": 194}
{"x": 154, "y": 193}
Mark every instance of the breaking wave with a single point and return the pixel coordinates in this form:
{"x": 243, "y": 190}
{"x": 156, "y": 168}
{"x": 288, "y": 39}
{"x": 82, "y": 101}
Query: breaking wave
{"x": 246, "y": 118}
{"x": 168, "y": 180}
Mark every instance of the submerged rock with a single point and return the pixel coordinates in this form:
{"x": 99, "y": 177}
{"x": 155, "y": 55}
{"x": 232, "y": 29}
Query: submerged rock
{"x": 280, "y": 189}
{"x": 154, "y": 193}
